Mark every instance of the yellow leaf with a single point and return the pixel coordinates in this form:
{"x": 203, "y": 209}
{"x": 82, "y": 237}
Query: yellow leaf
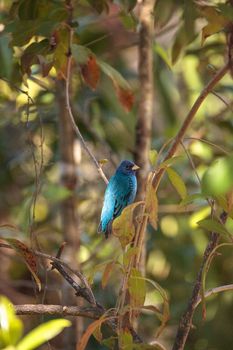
{"x": 177, "y": 182}
{"x": 123, "y": 226}
{"x": 137, "y": 288}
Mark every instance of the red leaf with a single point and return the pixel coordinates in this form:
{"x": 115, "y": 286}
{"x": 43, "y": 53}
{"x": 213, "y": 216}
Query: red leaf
{"x": 125, "y": 97}
{"x": 91, "y": 72}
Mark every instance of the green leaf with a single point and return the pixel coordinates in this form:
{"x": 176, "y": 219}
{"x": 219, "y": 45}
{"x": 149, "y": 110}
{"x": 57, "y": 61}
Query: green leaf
{"x": 113, "y": 74}
{"x": 125, "y": 340}
{"x": 81, "y": 53}
{"x": 177, "y": 182}
{"x": 42, "y": 334}
{"x": 153, "y": 156}
{"x": 137, "y": 288}
{"x": 28, "y": 9}
{"x": 163, "y": 54}
{"x": 213, "y": 225}
{"x": 11, "y": 327}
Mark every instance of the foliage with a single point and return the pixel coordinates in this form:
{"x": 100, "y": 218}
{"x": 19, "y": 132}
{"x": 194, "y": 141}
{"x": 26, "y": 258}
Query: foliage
{"x": 192, "y": 40}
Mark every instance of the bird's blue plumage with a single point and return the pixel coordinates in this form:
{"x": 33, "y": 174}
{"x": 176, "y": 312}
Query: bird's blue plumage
{"x": 120, "y": 192}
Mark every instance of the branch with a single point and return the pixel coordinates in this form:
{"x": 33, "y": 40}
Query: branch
{"x": 68, "y": 106}
{"x": 42, "y": 309}
{"x": 94, "y": 312}
{"x": 189, "y": 118}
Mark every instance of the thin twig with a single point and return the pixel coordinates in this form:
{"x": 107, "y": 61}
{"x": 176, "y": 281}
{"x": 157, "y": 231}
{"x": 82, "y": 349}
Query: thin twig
{"x": 68, "y": 106}
{"x": 208, "y": 143}
{"x": 213, "y": 291}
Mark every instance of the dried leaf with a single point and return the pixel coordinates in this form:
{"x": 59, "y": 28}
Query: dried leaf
{"x": 91, "y": 72}
{"x": 27, "y": 255}
{"x": 125, "y": 97}
{"x": 89, "y": 331}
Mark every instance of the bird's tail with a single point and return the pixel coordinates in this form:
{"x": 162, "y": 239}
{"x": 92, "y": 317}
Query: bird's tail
{"x": 106, "y": 230}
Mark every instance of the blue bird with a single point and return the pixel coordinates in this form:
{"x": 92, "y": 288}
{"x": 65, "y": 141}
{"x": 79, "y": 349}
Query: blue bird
{"x": 120, "y": 192}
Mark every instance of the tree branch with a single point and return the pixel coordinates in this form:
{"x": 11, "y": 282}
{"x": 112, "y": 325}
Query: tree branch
{"x": 42, "y": 309}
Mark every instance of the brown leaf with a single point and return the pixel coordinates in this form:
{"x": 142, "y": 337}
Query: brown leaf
{"x": 26, "y": 253}
{"x": 90, "y": 330}
{"x": 91, "y": 72}
{"x": 125, "y": 97}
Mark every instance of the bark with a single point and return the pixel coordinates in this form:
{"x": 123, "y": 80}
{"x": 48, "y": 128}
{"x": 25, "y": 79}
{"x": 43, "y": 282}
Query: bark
{"x": 146, "y": 83}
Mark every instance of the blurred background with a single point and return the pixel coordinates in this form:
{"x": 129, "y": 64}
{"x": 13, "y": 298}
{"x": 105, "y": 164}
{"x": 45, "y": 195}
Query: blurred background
{"x": 50, "y": 189}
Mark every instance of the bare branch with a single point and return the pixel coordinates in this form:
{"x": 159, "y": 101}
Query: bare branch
{"x": 42, "y": 309}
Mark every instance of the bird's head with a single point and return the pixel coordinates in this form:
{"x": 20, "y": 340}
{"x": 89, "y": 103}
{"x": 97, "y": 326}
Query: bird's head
{"x": 127, "y": 167}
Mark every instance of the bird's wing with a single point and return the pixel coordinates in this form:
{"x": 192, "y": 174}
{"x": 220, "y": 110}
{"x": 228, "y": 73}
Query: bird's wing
{"x": 121, "y": 201}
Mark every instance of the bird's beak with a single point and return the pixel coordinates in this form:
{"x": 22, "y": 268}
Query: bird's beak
{"x": 135, "y": 167}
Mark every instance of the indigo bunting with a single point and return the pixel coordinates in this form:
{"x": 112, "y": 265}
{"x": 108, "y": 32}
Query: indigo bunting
{"x": 120, "y": 192}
